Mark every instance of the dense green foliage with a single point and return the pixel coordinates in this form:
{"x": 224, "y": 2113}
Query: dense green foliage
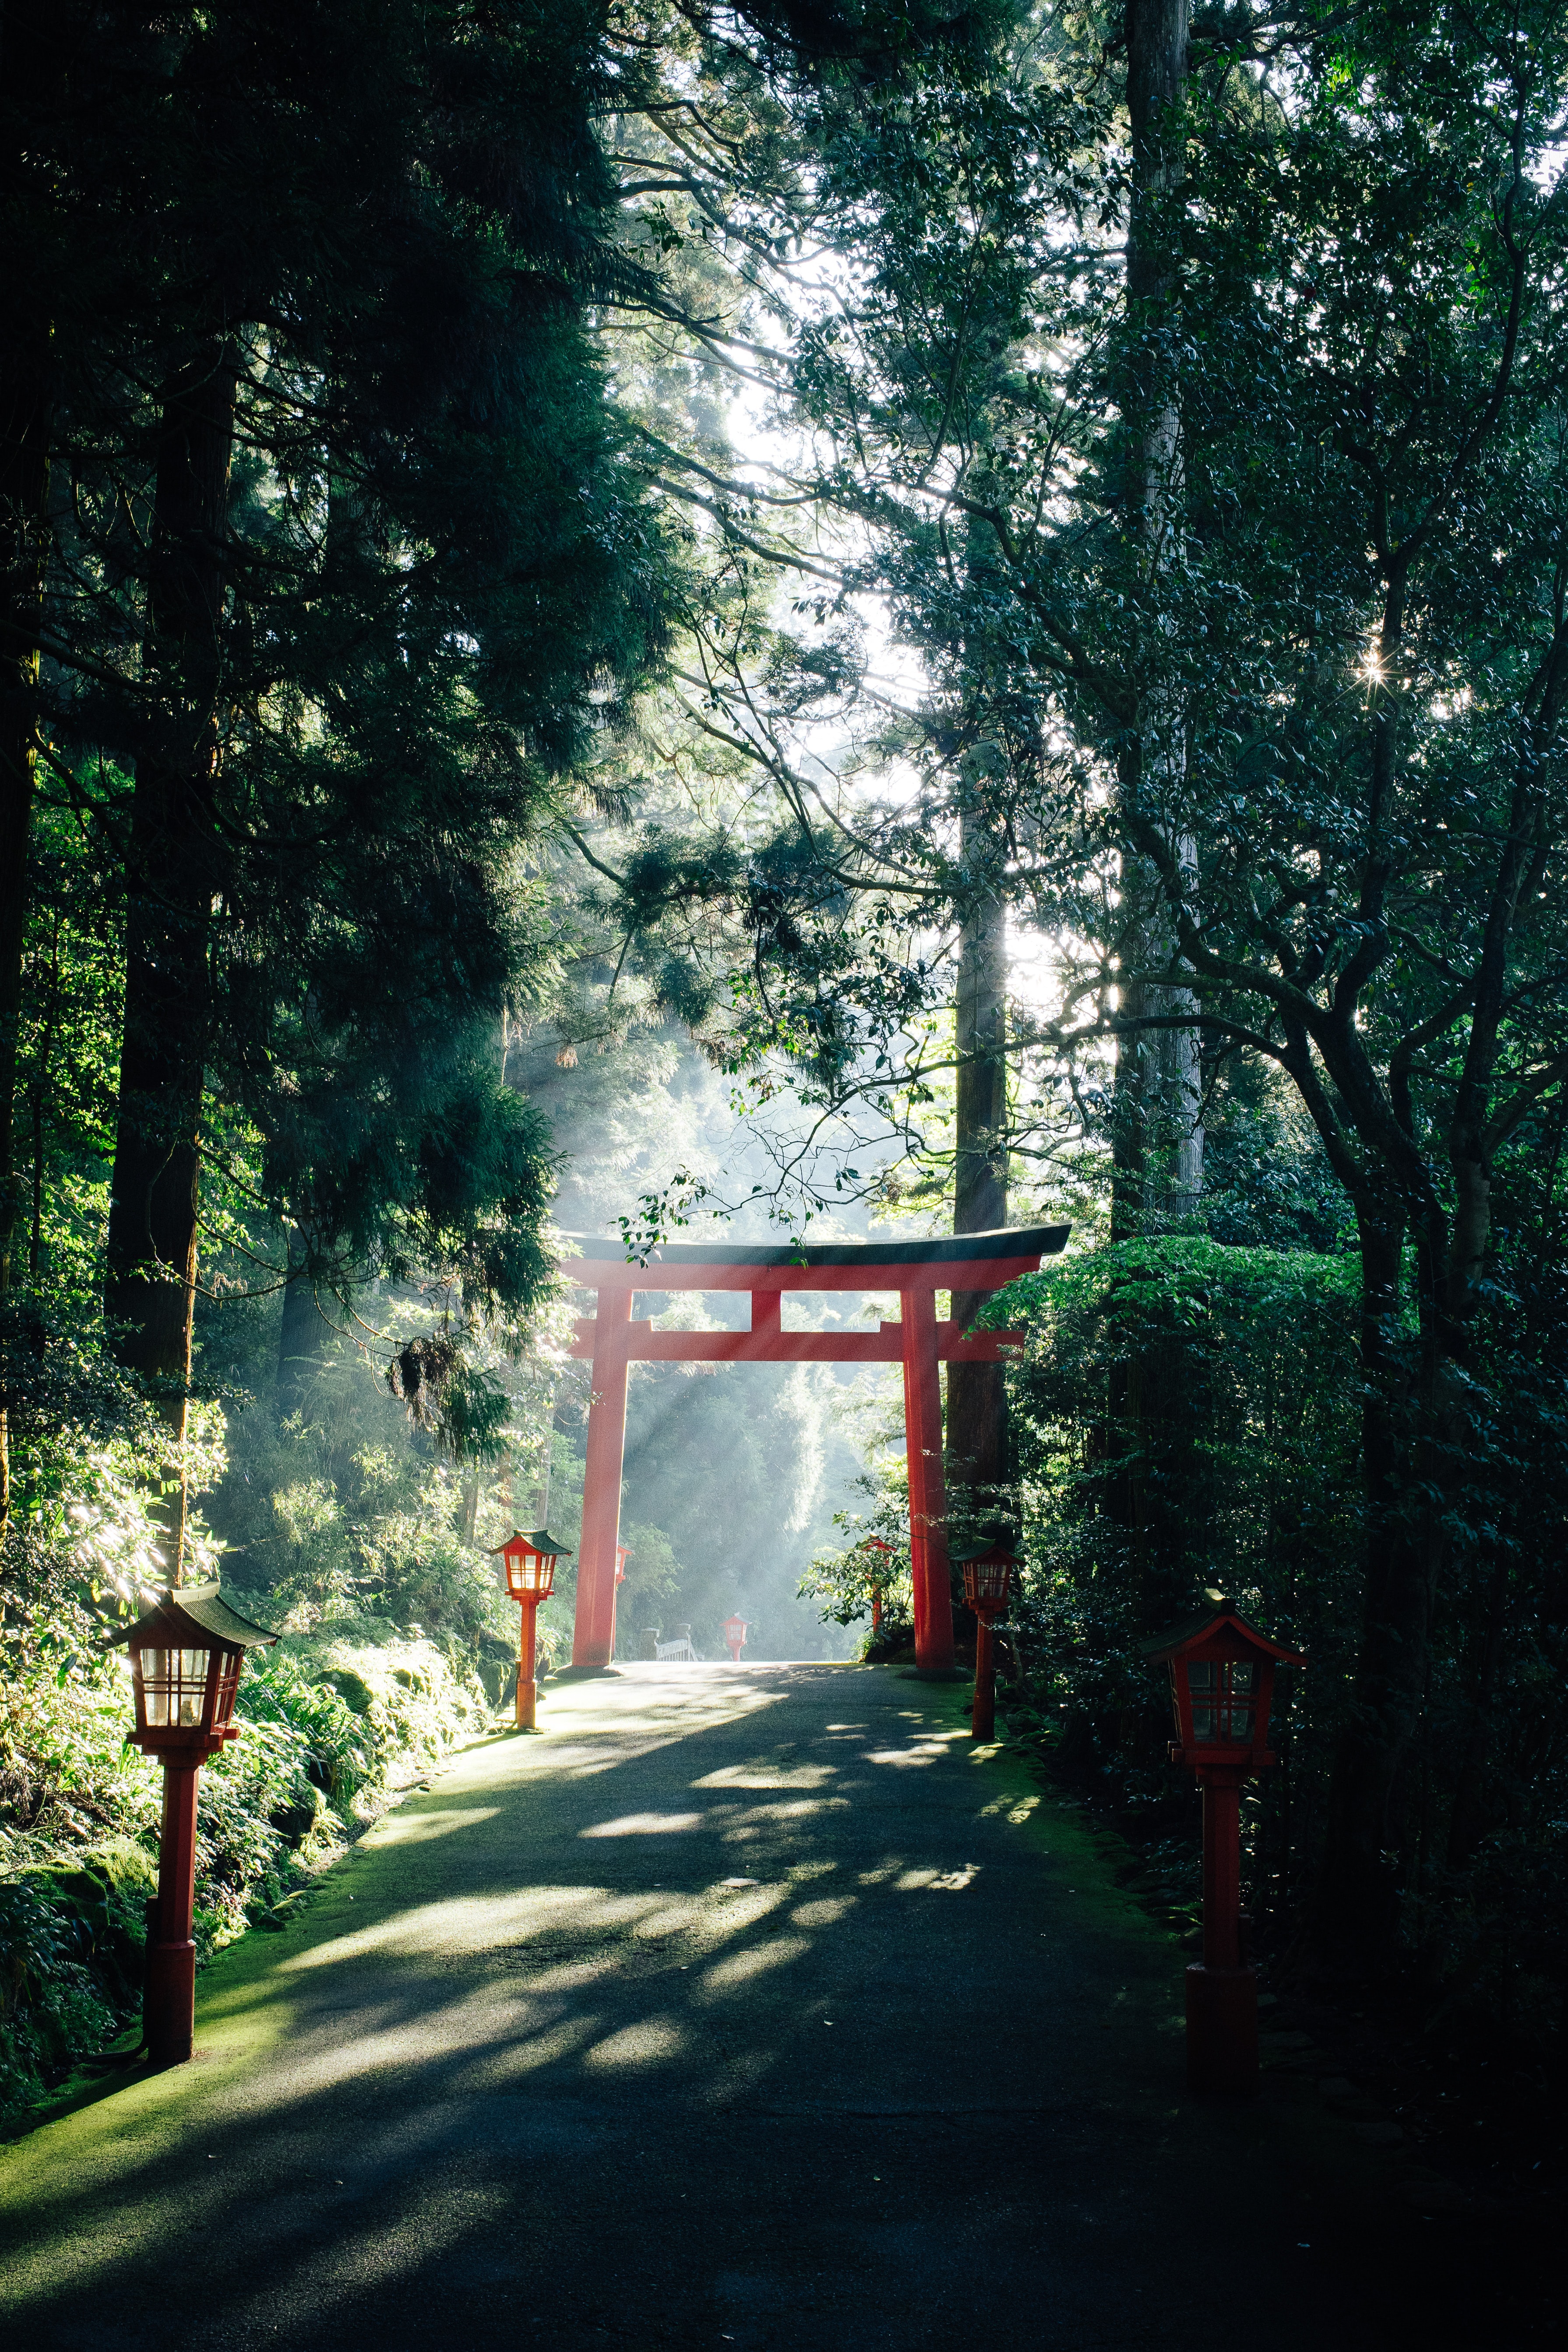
{"x": 1233, "y": 1465}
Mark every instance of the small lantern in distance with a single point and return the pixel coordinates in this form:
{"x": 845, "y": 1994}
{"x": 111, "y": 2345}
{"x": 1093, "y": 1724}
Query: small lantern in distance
{"x": 987, "y": 1564}
{"x": 185, "y": 1657}
{"x": 1222, "y": 1686}
{"x": 734, "y": 1631}
{"x": 528, "y": 1562}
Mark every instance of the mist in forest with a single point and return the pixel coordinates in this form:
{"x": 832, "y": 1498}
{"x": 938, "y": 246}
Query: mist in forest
{"x": 734, "y": 1473}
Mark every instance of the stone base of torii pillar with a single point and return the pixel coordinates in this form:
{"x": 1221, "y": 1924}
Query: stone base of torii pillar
{"x": 916, "y": 1270}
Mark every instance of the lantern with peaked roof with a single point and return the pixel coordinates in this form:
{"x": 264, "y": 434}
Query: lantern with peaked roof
{"x": 986, "y": 1560}
{"x": 185, "y": 1657}
{"x": 1222, "y": 1688}
{"x": 528, "y": 1562}
{"x": 734, "y": 1631}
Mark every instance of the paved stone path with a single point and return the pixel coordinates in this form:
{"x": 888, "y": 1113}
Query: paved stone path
{"x": 746, "y": 2007}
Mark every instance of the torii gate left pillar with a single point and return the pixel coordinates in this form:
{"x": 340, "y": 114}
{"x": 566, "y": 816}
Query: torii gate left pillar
{"x": 918, "y": 1340}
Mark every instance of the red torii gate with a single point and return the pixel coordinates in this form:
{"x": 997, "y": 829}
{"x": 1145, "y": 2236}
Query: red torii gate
{"x": 917, "y": 1270}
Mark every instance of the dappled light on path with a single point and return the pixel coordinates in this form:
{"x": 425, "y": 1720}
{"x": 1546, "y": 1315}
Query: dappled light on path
{"x": 671, "y": 2026}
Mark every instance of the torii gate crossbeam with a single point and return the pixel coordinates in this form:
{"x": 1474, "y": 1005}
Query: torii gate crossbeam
{"x": 917, "y": 1270}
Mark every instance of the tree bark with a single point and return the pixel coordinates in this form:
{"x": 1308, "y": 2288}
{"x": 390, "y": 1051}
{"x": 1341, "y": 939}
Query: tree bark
{"x": 24, "y": 532}
{"x": 468, "y": 1504}
{"x": 1467, "y": 1815}
{"x": 976, "y": 1447}
{"x": 1358, "y": 1897}
{"x": 1157, "y": 1133}
{"x": 301, "y": 1343}
{"x": 30, "y": 70}
{"x": 173, "y": 873}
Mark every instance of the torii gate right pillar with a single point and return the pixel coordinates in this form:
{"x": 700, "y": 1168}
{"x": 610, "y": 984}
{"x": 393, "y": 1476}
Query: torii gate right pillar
{"x": 929, "y": 1572}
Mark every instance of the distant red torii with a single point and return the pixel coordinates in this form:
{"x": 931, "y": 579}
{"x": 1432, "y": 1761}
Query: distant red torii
{"x": 917, "y": 1270}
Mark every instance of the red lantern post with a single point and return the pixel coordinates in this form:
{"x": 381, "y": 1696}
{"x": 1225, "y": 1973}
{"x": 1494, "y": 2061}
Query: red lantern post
{"x": 529, "y": 1563}
{"x": 987, "y": 1565}
{"x": 185, "y": 1657}
{"x": 1222, "y": 1685}
{"x": 734, "y": 1630}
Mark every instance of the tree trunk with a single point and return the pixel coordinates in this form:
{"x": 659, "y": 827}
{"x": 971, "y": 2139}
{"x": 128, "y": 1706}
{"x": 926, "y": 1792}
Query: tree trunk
{"x": 25, "y": 422}
{"x": 23, "y": 490}
{"x": 1468, "y": 1815}
{"x": 173, "y": 874}
{"x": 976, "y": 1446}
{"x": 1356, "y": 1910}
{"x": 1157, "y": 1135}
{"x": 469, "y": 1506}
{"x": 302, "y": 1344}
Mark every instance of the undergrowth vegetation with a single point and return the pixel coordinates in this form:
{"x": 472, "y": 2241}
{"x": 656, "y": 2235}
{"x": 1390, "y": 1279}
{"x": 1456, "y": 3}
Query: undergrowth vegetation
{"x": 384, "y": 1620}
{"x": 1184, "y": 1423}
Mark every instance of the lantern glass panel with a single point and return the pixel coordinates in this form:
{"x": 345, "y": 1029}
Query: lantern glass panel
{"x": 987, "y": 1581}
{"x": 532, "y": 1575}
{"x": 1225, "y": 1701}
{"x": 175, "y": 1688}
{"x": 229, "y": 1663}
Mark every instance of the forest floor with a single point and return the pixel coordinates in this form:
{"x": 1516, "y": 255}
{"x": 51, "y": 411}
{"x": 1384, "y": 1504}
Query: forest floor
{"x": 746, "y": 2006}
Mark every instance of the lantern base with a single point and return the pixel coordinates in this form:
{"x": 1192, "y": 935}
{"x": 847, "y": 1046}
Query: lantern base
{"x": 1221, "y": 2032}
{"x": 168, "y": 2010}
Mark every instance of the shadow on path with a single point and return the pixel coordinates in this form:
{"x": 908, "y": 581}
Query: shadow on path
{"x": 747, "y": 2007}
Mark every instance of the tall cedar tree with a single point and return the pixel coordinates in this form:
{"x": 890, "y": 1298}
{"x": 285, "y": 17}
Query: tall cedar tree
{"x": 346, "y": 590}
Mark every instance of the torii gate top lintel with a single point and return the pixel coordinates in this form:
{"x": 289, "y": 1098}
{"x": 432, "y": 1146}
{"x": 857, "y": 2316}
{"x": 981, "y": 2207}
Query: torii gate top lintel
{"x": 945, "y": 1262}
{"x": 962, "y": 1263}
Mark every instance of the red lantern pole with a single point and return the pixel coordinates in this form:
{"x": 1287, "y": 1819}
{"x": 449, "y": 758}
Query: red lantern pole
{"x": 1222, "y": 1990}
{"x": 1222, "y": 1866}
{"x": 987, "y": 1577}
{"x": 527, "y": 1663}
{"x": 169, "y": 2005}
{"x": 982, "y": 1720}
{"x": 734, "y": 1631}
